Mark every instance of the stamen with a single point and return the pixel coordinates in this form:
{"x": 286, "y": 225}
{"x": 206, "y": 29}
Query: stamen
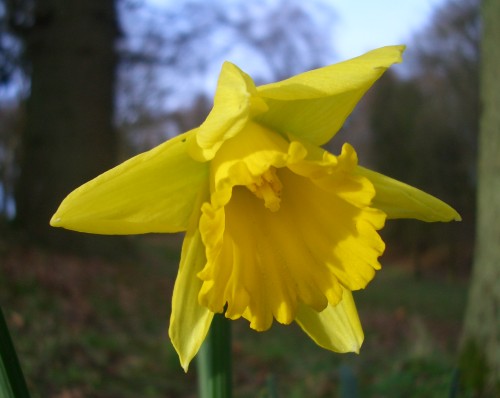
{"x": 268, "y": 187}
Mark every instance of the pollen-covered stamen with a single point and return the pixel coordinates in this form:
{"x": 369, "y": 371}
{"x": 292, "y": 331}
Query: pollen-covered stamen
{"x": 268, "y": 187}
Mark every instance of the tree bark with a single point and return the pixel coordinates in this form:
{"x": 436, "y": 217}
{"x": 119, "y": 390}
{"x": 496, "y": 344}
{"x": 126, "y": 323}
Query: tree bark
{"x": 480, "y": 359}
{"x": 69, "y": 136}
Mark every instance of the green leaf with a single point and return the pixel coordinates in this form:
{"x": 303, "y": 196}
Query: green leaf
{"x": 12, "y": 383}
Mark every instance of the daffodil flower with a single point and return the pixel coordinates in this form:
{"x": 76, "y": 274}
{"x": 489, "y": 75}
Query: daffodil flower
{"x": 276, "y": 227}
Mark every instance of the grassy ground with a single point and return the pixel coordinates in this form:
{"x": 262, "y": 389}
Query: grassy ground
{"x": 94, "y": 328}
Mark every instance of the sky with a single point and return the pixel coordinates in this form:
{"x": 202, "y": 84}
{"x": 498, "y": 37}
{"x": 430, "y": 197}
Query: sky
{"x": 359, "y": 26}
{"x": 365, "y": 25}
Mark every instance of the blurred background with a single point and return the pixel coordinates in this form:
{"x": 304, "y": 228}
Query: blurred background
{"x": 85, "y": 84}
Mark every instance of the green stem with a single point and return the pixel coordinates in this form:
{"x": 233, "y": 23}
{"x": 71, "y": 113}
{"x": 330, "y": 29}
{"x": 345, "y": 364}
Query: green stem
{"x": 12, "y": 383}
{"x": 214, "y": 361}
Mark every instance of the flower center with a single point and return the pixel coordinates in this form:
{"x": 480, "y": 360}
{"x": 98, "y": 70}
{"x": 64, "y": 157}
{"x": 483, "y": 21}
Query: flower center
{"x": 268, "y": 187}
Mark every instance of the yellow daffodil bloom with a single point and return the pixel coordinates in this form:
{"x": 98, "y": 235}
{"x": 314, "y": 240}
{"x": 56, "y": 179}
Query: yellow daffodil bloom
{"x": 276, "y": 227}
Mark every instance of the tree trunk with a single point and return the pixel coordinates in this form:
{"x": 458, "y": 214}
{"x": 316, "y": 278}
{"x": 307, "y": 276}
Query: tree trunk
{"x": 480, "y": 359}
{"x": 69, "y": 136}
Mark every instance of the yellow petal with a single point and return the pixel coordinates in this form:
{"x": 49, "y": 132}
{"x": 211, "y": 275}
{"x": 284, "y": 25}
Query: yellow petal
{"x": 250, "y": 154}
{"x": 235, "y": 101}
{"x": 314, "y": 105}
{"x": 152, "y": 192}
{"x": 306, "y": 232}
{"x": 337, "y": 328}
{"x": 399, "y": 200}
{"x": 189, "y": 321}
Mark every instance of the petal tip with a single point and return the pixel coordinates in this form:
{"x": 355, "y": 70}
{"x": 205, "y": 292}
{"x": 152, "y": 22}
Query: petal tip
{"x": 56, "y": 221}
{"x": 356, "y": 347}
{"x": 185, "y": 366}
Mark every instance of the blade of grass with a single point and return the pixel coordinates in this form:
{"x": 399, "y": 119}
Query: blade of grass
{"x": 348, "y": 383}
{"x": 12, "y": 382}
{"x": 272, "y": 391}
